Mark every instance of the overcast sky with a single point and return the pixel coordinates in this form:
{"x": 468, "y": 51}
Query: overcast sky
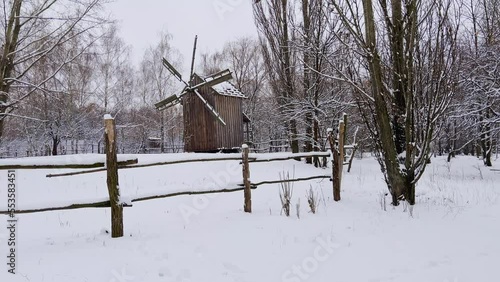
{"x": 215, "y": 22}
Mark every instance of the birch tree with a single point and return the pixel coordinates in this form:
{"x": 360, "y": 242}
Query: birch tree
{"x": 158, "y": 83}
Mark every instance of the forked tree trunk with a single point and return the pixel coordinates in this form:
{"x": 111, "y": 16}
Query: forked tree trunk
{"x": 395, "y": 179}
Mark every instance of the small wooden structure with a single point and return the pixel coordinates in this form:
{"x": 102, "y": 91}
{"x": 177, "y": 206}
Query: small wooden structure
{"x": 212, "y": 110}
{"x": 203, "y": 132}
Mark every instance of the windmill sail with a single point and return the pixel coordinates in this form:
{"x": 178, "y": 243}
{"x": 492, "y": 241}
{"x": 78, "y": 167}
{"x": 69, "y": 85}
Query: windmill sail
{"x": 217, "y": 78}
{"x": 168, "y": 102}
{"x": 172, "y": 70}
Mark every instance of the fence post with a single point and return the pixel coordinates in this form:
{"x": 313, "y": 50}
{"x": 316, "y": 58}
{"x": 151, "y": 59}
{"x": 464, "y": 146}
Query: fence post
{"x": 335, "y": 166}
{"x": 246, "y": 179}
{"x": 341, "y": 148}
{"x": 112, "y": 177}
{"x": 344, "y": 118}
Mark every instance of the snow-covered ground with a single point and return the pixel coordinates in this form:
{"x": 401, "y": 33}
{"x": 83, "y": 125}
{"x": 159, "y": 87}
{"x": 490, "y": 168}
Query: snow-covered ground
{"x": 452, "y": 235}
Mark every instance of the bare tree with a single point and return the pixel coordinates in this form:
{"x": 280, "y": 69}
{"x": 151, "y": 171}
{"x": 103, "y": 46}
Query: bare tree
{"x": 273, "y": 19}
{"x": 157, "y": 81}
{"x": 113, "y": 71}
{"x": 31, "y": 30}
{"x": 480, "y": 77}
{"x": 323, "y": 98}
{"x": 243, "y": 57}
{"x": 410, "y": 58}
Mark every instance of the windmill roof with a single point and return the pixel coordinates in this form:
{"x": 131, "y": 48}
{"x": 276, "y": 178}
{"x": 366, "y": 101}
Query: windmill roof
{"x": 226, "y": 88}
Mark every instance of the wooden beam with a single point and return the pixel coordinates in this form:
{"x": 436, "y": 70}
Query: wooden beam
{"x": 103, "y": 204}
{"x": 291, "y": 180}
{"x": 161, "y": 196}
{"x": 145, "y": 165}
{"x": 292, "y": 156}
{"x": 66, "y": 166}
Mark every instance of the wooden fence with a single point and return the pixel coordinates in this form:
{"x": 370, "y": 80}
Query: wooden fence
{"x": 112, "y": 166}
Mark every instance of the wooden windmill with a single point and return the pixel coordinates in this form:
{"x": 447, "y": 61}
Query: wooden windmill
{"x": 212, "y": 110}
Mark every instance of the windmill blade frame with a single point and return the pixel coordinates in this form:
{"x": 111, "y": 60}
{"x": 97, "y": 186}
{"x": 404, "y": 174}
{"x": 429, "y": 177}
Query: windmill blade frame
{"x": 172, "y": 70}
{"x": 168, "y": 102}
{"x": 194, "y": 56}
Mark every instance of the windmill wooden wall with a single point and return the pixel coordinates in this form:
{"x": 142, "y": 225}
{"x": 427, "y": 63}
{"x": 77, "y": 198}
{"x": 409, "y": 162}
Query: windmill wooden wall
{"x": 202, "y": 131}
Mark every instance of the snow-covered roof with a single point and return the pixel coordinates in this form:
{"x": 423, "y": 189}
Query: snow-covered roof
{"x": 228, "y": 89}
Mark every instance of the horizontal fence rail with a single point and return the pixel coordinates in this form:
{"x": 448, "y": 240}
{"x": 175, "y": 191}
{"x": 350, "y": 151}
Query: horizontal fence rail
{"x": 65, "y": 166}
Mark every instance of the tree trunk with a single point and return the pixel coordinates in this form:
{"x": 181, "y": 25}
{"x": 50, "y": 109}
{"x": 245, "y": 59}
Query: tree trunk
{"x": 12, "y": 30}
{"x": 410, "y": 188}
{"x": 294, "y": 141}
{"x": 306, "y": 16}
{"x": 486, "y": 141}
{"x": 55, "y": 143}
{"x": 309, "y": 136}
{"x": 399, "y": 79}
{"x": 395, "y": 179}
{"x": 316, "y": 142}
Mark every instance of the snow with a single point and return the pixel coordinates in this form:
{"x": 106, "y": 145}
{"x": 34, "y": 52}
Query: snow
{"x": 452, "y": 234}
{"x": 228, "y": 89}
{"x": 108, "y": 116}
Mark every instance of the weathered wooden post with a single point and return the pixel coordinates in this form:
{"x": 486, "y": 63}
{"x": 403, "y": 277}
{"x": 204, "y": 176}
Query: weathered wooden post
{"x": 335, "y": 166}
{"x": 112, "y": 177}
{"x": 246, "y": 179}
{"x": 344, "y": 118}
{"x": 341, "y": 148}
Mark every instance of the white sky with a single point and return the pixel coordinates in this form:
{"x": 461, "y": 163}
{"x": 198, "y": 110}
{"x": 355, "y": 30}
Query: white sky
{"x": 215, "y": 22}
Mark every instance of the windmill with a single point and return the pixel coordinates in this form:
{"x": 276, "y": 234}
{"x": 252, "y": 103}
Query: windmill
{"x": 209, "y": 81}
{"x": 212, "y": 110}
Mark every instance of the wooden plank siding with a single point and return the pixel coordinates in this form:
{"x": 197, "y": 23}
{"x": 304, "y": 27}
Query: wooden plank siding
{"x": 202, "y": 131}
{"x": 231, "y": 135}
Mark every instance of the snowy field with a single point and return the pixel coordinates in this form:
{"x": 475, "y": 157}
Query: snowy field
{"x": 452, "y": 235}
